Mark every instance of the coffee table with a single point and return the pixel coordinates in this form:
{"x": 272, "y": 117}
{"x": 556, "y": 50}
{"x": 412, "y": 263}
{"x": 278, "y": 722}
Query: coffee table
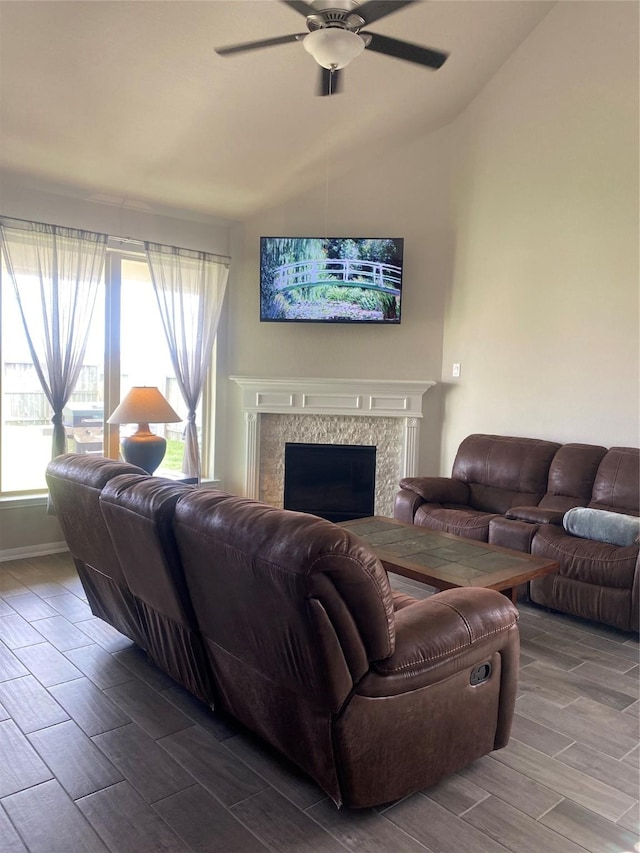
{"x": 446, "y": 561}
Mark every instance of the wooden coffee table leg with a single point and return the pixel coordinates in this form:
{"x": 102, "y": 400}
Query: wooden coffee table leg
{"x": 511, "y": 593}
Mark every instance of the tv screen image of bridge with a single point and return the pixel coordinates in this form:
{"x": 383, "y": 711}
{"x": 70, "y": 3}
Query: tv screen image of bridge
{"x": 345, "y": 272}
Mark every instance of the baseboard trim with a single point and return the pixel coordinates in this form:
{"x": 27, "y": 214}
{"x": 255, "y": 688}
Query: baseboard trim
{"x": 33, "y": 551}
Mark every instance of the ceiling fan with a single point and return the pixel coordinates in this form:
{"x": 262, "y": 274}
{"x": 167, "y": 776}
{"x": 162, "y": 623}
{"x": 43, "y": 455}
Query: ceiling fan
{"x": 335, "y": 36}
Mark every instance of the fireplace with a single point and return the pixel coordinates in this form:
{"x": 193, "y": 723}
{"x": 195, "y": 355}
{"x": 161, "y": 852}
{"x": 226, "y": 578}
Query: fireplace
{"x": 384, "y": 414}
{"x": 334, "y": 481}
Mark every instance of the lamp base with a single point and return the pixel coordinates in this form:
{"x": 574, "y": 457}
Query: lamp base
{"x": 145, "y": 450}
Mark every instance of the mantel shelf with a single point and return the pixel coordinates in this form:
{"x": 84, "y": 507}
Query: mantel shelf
{"x": 292, "y": 395}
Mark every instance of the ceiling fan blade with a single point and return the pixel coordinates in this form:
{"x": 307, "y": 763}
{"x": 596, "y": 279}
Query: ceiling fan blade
{"x": 300, "y": 6}
{"x": 405, "y": 50}
{"x": 256, "y": 45}
{"x": 330, "y": 82}
{"x": 373, "y": 10}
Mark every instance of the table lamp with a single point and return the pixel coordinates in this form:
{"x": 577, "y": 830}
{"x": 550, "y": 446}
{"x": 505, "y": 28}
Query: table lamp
{"x": 144, "y": 405}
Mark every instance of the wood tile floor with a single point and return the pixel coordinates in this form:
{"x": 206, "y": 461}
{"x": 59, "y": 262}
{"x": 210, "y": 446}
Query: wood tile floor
{"x": 99, "y": 751}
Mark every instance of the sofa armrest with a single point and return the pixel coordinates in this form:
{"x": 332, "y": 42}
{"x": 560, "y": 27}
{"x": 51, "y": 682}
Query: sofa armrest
{"x": 439, "y": 636}
{"x": 535, "y": 515}
{"x": 512, "y": 533}
{"x": 405, "y": 505}
{"x": 444, "y": 490}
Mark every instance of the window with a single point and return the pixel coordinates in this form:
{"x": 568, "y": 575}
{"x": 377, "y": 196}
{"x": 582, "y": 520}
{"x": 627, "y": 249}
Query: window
{"x": 144, "y": 354}
{"x": 126, "y": 347}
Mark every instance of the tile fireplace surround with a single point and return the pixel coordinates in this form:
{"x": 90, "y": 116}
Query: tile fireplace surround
{"x": 383, "y": 413}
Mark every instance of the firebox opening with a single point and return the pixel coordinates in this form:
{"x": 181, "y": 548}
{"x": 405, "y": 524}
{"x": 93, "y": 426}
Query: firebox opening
{"x": 334, "y": 481}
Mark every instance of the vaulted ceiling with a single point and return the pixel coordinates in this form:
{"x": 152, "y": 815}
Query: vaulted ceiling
{"x": 126, "y": 102}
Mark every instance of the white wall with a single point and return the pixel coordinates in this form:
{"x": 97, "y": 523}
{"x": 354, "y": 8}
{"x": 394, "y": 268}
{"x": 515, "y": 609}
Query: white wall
{"x": 26, "y": 530}
{"x": 521, "y": 240}
{"x": 405, "y": 194}
{"x": 543, "y": 309}
{"x": 26, "y": 199}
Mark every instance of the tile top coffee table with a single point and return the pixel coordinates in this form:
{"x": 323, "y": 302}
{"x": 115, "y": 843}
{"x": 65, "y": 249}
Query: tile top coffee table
{"x": 445, "y": 561}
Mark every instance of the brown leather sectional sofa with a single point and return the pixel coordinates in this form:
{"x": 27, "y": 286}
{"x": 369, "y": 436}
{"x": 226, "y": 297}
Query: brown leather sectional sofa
{"x": 514, "y": 492}
{"x": 288, "y": 622}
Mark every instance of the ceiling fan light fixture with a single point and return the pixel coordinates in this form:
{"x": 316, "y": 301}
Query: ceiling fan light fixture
{"x": 332, "y": 47}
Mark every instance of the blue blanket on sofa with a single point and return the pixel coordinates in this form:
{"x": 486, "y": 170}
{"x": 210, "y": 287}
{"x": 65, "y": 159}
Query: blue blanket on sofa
{"x": 603, "y": 526}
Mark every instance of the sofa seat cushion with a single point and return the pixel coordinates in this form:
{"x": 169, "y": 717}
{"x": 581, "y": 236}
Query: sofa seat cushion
{"x": 586, "y": 560}
{"x": 459, "y": 520}
{"x": 616, "y": 528}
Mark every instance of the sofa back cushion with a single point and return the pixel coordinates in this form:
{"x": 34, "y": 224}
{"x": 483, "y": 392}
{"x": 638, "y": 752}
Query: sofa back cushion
{"x": 75, "y": 482}
{"x": 299, "y": 601}
{"x": 504, "y": 471}
{"x": 571, "y": 476}
{"x": 617, "y": 483}
{"x": 139, "y": 515}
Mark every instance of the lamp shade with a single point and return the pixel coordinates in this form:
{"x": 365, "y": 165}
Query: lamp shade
{"x": 144, "y": 405}
{"x": 332, "y": 47}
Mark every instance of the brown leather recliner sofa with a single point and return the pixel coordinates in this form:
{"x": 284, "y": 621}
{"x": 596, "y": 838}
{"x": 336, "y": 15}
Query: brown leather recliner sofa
{"x": 514, "y": 493}
{"x": 75, "y": 483}
{"x": 117, "y": 522}
{"x": 373, "y": 693}
{"x": 139, "y": 515}
{"x": 597, "y": 580}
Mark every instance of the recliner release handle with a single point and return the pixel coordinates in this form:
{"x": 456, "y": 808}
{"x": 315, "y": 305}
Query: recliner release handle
{"x": 480, "y": 673}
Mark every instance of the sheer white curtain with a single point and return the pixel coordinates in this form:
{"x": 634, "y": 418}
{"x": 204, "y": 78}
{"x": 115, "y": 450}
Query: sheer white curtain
{"x": 190, "y": 288}
{"x": 55, "y": 272}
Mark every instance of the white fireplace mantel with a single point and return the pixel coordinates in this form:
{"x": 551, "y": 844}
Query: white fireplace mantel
{"x": 387, "y": 398}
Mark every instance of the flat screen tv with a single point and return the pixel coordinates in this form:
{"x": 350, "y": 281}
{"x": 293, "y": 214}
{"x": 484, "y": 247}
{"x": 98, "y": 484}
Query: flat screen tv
{"x": 331, "y": 279}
